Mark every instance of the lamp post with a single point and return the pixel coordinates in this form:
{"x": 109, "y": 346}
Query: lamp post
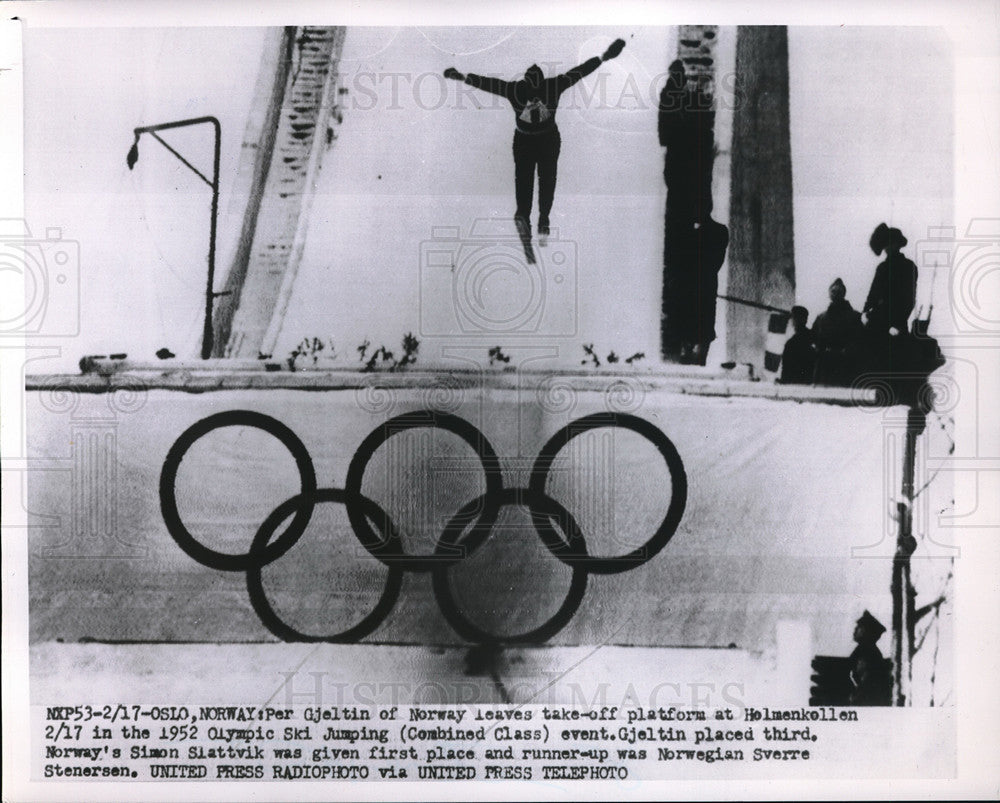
{"x": 132, "y": 158}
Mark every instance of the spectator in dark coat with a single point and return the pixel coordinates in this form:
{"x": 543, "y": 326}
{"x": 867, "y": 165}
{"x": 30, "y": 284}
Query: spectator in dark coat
{"x": 894, "y": 288}
{"x": 694, "y": 244}
{"x": 697, "y": 286}
{"x": 838, "y": 333}
{"x": 686, "y": 128}
{"x": 869, "y": 671}
{"x": 798, "y": 360}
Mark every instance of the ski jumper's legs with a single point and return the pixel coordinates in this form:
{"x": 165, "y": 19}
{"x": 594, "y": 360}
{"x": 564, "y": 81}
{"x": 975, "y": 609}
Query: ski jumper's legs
{"x": 525, "y": 159}
{"x": 531, "y": 152}
{"x": 548, "y": 158}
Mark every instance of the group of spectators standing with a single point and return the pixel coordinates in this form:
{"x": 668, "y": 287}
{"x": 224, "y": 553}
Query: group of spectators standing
{"x": 845, "y": 343}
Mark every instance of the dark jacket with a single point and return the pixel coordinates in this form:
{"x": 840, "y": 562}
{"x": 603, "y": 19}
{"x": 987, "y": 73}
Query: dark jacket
{"x": 534, "y": 106}
{"x": 839, "y": 327}
{"x": 892, "y": 295}
{"x": 839, "y": 336}
{"x": 684, "y": 115}
{"x": 871, "y": 676}
{"x": 798, "y": 360}
{"x": 686, "y": 128}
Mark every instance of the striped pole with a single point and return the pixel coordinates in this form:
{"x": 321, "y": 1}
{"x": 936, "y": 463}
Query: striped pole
{"x": 777, "y": 326}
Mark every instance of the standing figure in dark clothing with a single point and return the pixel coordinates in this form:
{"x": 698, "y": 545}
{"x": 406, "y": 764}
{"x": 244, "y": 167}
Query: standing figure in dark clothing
{"x": 694, "y": 287}
{"x": 694, "y": 246}
{"x": 535, "y": 99}
{"x": 838, "y": 333}
{"x": 870, "y": 673}
{"x": 686, "y": 128}
{"x": 798, "y": 360}
{"x": 894, "y": 288}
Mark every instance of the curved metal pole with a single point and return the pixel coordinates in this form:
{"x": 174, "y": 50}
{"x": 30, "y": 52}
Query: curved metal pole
{"x": 210, "y": 294}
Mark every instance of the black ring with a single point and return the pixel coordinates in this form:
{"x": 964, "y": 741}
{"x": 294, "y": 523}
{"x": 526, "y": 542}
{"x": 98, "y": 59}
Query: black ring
{"x": 486, "y": 515}
{"x": 225, "y": 561}
{"x": 578, "y": 585}
{"x": 666, "y": 529}
{"x": 255, "y": 583}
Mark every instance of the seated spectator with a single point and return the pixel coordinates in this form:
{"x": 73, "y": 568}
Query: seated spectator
{"x": 798, "y": 360}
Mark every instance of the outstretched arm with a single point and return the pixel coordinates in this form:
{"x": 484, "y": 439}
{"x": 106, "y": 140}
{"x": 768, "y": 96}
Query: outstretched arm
{"x": 570, "y": 77}
{"x": 494, "y": 85}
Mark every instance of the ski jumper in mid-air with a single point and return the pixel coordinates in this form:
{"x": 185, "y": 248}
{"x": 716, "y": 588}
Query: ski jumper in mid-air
{"x": 536, "y": 138}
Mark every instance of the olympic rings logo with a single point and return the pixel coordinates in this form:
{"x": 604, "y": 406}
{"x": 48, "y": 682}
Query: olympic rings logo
{"x": 464, "y": 533}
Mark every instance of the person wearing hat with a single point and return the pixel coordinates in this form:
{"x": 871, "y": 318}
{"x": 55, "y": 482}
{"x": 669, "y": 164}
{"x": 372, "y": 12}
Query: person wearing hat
{"x": 838, "y": 333}
{"x": 894, "y": 288}
{"x": 869, "y": 671}
{"x": 536, "y": 137}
